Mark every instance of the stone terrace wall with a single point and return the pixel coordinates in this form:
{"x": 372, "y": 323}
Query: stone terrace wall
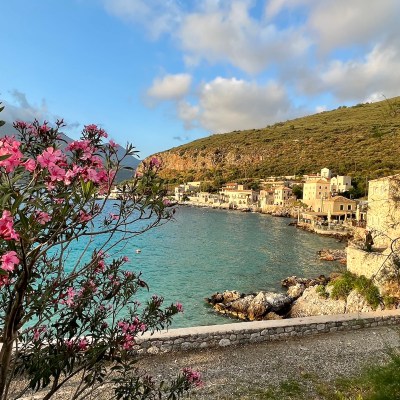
{"x": 360, "y": 262}
{"x": 261, "y": 331}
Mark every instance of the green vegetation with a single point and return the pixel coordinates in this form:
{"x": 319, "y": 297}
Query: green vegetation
{"x": 321, "y": 290}
{"x": 362, "y": 141}
{"x": 381, "y": 382}
{"x": 342, "y": 286}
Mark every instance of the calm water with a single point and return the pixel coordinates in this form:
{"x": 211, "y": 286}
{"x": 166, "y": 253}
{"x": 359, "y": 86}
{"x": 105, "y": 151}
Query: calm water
{"x": 205, "y": 250}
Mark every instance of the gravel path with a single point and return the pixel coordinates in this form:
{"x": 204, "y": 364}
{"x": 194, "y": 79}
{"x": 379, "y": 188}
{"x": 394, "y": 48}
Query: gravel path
{"x": 231, "y": 372}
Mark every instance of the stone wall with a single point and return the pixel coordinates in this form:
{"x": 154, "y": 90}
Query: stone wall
{"x": 261, "y": 331}
{"x": 360, "y": 262}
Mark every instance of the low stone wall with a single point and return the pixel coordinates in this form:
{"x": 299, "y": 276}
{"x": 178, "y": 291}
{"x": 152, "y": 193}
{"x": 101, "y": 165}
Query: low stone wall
{"x": 261, "y": 331}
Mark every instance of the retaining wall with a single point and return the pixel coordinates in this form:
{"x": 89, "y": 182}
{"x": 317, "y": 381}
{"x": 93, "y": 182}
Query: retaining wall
{"x": 260, "y": 331}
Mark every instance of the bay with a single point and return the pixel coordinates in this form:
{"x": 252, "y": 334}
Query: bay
{"x": 203, "y": 251}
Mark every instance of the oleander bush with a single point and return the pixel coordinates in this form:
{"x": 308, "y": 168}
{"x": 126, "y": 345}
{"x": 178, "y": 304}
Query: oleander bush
{"x": 67, "y": 314}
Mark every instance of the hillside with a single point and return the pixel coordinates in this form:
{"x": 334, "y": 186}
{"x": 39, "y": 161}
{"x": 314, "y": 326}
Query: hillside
{"x": 361, "y": 141}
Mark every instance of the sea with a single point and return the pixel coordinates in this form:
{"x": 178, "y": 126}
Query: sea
{"x": 203, "y": 251}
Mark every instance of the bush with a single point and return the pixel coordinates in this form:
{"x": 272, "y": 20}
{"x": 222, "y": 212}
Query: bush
{"x": 61, "y": 318}
{"x": 342, "y": 286}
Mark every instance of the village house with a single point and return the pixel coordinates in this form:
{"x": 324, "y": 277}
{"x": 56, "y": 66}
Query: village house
{"x": 282, "y": 195}
{"x": 186, "y": 189}
{"x": 237, "y": 196}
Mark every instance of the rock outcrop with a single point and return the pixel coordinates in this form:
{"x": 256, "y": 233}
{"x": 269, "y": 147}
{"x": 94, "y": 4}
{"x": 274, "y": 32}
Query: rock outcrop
{"x": 304, "y": 298}
{"x": 261, "y": 306}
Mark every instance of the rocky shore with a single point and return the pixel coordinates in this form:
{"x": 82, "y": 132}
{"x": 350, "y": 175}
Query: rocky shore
{"x": 303, "y": 298}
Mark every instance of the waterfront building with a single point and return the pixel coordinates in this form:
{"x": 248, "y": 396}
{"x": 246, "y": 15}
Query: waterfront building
{"x": 237, "y": 196}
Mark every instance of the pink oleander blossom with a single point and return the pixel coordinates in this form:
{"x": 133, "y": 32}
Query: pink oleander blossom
{"x": 84, "y": 216}
{"x": 42, "y": 217}
{"x": 9, "y": 260}
{"x": 56, "y": 173}
{"x": 30, "y": 165}
{"x": 179, "y": 307}
{"x": 10, "y": 147}
{"x": 7, "y": 231}
{"x": 4, "y": 280}
{"x": 50, "y": 156}
{"x": 155, "y": 162}
{"x": 70, "y": 300}
{"x": 113, "y": 144}
{"x": 83, "y": 344}
{"x": 37, "y": 332}
{"x": 193, "y": 377}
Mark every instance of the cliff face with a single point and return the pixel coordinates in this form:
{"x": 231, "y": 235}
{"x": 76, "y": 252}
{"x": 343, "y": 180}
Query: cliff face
{"x": 361, "y": 140}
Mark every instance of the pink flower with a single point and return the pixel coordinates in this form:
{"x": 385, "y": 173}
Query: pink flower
{"x": 70, "y": 297}
{"x": 30, "y": 165}
{"x": 113, "y": 144}
{"x": 7, "y": 231}
{"x": 37, "y": 332}
{"x": 4, "y": 280}
{"x": 193, "y": 377}
{"x": 114, "y": 216}
{"x": 9, "y": 261}
{"x": 155, "y": 162}
{"x": 10, "y": 147}
{"x": 179, "y": 307}
{"x": 84, "y": 216}
{"x": 42, "y": 217}
{"x": 56, "y": 173}
{"x": 83, "y": 344}
{"x": 125, "y": 259}
{"x": 50, "y": 156}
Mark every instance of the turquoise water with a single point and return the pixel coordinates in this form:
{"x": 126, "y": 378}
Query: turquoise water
{"x": 204, "y": 251}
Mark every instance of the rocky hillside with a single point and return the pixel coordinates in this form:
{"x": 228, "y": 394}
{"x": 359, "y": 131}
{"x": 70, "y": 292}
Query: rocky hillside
{"x": 363, "y": 141}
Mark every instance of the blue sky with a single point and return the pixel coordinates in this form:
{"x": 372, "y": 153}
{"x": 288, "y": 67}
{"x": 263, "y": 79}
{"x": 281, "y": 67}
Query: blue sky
{"x": 160, "y": 73}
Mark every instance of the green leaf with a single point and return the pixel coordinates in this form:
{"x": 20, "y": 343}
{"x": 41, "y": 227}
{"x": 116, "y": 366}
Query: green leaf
{"x": 5, "y": 156}
{"x": 2, "y": 123}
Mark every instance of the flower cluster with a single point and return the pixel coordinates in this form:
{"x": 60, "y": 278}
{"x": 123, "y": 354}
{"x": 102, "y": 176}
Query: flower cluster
{"x": 192, "y": 377}
{"x": 129, "y": 331}
{"x": 10, "y": 154}
{"x": 7, "y": 231}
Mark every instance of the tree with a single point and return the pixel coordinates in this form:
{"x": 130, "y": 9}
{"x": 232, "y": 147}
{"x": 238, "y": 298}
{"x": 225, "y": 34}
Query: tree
{"x": 62, "y": 319}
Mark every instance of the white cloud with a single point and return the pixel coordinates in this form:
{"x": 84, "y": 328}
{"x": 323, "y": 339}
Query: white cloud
{"x": 376, "y": 73}
{"x": 344, "y": 23}
{"x": 157, "y": 16}
{"x": 188, "y": 113}
{"x": 231, "y": 35}
{"x": 170, "y": 87}
{"x": 19, "y": 109}
{"x": 320, "y": 109}
{"x": 231, "y": 104}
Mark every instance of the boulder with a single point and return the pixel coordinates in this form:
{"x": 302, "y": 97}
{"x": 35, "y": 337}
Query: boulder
{"x": 311, "y": 303}
{"x": 357, "y": 303}
{"x": 241, "y": 305}
{"x": 296, "y": 291}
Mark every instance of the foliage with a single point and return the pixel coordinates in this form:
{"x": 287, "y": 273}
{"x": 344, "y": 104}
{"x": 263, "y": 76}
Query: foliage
{"x": 342, "y": 286}
{"x": 321, "y": 290}
{"x": 65, "y": 319}
{"x": 360, "y": 141}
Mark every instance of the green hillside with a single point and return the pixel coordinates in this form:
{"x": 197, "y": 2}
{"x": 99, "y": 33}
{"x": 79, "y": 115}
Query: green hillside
{"x": 361, "y": 141}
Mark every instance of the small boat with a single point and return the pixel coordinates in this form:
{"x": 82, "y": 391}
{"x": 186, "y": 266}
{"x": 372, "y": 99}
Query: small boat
{"x": 138, "y": 251}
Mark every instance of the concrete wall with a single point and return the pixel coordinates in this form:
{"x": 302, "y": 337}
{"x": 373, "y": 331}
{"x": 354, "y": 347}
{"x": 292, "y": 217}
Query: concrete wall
{"x": 261, "y": 331}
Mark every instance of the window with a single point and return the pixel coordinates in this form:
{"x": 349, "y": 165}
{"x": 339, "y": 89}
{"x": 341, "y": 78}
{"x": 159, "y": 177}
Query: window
{"x": 349, "y": 206}
{"x": 341, "y": 207}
